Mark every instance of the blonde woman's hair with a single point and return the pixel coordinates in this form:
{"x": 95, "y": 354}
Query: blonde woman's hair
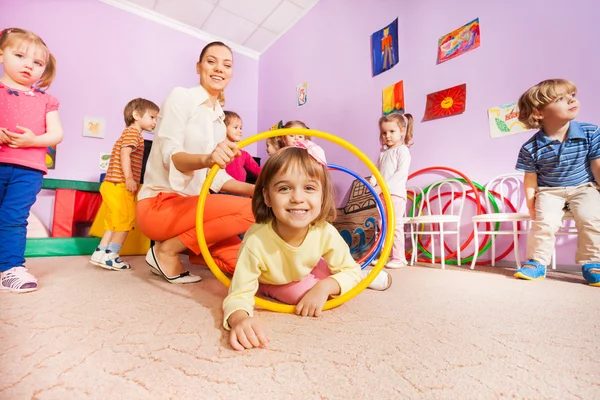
{"x": 16, "y": 37}
{"x": 404, "y": 121}
{"x": 533, "y": 101}
{"x": 296, "y": 159}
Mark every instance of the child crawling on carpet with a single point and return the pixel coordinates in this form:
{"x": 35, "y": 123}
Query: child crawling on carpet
{"x": 291, "y": 254}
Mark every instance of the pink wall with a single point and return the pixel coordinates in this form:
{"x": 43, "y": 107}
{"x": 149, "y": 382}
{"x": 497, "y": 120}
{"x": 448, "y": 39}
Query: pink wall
{"x": 106, "y": 57}
{"x": 522, "y": 42}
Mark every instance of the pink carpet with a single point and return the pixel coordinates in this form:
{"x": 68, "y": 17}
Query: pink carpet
{"x": 88, "y": 333}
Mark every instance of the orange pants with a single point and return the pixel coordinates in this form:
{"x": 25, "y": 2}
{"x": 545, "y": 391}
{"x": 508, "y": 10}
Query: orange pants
{"x": 170, "y": 215}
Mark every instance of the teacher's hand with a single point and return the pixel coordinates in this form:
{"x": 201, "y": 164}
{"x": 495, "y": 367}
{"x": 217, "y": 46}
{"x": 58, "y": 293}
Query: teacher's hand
{"x": 224, "y": 153}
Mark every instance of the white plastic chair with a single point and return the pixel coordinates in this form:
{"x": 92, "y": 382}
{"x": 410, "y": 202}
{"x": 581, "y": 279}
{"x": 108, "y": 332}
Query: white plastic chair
{"x": 509, "y": 187}
{"x": 411, "y": 205}
{"x": 436, "y": 215}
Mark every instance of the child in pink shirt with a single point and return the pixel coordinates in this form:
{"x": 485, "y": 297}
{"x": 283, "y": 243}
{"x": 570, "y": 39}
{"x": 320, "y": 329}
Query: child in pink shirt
{"x": 29, "y": 124}
{"x": 238, "y": 167}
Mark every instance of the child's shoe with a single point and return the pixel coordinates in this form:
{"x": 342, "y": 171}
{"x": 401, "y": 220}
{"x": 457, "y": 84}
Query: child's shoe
{"x": 17, "y": 280}
{"x": 382, "y": 281}
{"x": 109, "y": 260}
{"x": 394, "y": 264}
{"x": 592, "y": 277}
{"x": 531, "y": 274}
{"x": 98, "y": 257}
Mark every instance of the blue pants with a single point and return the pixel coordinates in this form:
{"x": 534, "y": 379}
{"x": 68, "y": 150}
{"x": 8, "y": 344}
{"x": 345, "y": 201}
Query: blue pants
{"x": 19, "y": 187}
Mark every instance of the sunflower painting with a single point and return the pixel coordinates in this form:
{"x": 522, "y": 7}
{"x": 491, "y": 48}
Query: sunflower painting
{"x": 446, "y": 102}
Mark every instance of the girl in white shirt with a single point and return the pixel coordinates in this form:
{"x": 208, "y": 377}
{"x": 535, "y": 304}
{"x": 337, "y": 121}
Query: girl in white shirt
{"x": 395, "y": 136}
{"x": 291, "y": 253}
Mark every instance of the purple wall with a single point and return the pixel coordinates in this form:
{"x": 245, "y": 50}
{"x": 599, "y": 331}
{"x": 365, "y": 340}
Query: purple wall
{"x": 522, "y": 42}
{"x": 106, "y": 57}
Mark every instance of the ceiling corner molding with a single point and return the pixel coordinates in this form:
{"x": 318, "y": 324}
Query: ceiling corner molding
{"x": 178, "y": 26}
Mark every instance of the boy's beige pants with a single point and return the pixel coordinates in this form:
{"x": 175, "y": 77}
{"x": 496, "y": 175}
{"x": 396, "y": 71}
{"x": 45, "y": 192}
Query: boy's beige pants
{"x": 550, "y": 205}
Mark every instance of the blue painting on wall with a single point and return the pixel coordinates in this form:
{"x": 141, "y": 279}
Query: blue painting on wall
{"x": 384, "y": 48}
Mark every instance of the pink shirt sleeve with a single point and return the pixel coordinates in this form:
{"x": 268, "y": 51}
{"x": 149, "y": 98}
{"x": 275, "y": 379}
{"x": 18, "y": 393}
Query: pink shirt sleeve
{"x": 250, "y": 164}
{"x": 52, "y": 103}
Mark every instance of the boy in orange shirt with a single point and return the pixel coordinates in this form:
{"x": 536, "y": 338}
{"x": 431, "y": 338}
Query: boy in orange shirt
{"x": 121, "y": 183}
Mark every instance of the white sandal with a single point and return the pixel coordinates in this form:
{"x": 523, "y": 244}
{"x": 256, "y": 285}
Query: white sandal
{"x": 18, "y": 280}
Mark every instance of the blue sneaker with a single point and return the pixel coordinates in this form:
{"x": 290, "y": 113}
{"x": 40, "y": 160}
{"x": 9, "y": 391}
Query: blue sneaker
{"x": 531, "y": 274}
{"x": 592, "y": 278}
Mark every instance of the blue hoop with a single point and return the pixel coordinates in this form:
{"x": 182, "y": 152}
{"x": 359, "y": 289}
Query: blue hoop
{"x": 379, "y": 206}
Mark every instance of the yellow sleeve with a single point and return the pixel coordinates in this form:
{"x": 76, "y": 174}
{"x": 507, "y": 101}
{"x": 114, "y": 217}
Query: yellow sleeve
{"x": 344, "y": 269}
{"x": 244, "y": 285}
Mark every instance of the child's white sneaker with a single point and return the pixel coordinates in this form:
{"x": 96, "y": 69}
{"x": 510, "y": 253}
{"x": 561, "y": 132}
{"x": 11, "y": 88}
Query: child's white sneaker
{"x": 382, "y": 281}
{"x": 109, "y": 260}
{"x": 393, "y": 264}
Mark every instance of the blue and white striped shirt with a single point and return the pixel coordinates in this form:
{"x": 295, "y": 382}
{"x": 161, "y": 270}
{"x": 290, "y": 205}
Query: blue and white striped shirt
{"x": 562, "y": 164}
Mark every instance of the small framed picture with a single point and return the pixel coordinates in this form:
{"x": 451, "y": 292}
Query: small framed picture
{"x": 94, "y": 127}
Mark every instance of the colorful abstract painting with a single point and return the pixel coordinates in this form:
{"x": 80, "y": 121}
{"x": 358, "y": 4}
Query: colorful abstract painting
{"x": 463, "y": 39}
{"x": 446, "y": 102}
{"x": 301, "y": 94}
{"x": 384, "y": 48}
{"x": 393, "y": 98}
{"x": 51, "y": 157}
{"x": 504, "y": 120}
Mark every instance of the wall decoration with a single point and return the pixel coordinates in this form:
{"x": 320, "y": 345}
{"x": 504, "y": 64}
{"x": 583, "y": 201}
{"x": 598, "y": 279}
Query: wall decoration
{"x": 94, "y": 127}
{"x": 104, "y": 160}
{"x": 384, "y": 48}
{"x": 393, "y": 98}
{"x": 51, "y": 157}
{"x": 301, "y": 94}
{"x": 504, "y": 120}
{"x": 459, "y": 41}
{"x": 446, "y": 102}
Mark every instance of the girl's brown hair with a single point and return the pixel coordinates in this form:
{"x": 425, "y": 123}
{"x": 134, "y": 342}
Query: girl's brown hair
{"x": 295, "y": 124}
{"x": 231, "y": 116}
{"x": 17, "y": 36}
{"x": 276, "y": 141}
{"x": 296, "y": 159}
{"x": 402, "y": 123}
{"x": 533, "y": 101}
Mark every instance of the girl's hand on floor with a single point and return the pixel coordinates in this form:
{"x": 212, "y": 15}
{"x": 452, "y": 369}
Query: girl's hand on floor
{"x": 313, "y": 301}
{"x": 247, "y": 332}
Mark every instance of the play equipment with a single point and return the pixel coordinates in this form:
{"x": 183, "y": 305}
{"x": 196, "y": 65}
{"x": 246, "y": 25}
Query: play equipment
{"x": 378, "y": 243}
{"x": 389, "y": 233}
{"x": 77, "y": 204}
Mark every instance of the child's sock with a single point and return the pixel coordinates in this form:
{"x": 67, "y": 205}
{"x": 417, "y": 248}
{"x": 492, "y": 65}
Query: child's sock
{"x": 101, "y": 248}
{"x": 114, "y": 247}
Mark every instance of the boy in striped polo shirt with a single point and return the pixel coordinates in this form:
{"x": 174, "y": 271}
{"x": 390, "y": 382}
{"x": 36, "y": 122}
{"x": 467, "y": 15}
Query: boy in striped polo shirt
{"x": 121, "y": 183}
{"x": 561, "y": 163}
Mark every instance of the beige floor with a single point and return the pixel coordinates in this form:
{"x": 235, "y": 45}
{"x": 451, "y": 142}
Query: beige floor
{"x": 436, "y": 334}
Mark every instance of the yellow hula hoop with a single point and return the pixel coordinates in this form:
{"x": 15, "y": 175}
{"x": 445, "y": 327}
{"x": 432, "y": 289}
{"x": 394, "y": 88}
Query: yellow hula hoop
{"x": 389, "y": 234}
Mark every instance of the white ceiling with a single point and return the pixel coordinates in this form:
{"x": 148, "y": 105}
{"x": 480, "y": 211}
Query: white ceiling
{"x": 248, "y": 26}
